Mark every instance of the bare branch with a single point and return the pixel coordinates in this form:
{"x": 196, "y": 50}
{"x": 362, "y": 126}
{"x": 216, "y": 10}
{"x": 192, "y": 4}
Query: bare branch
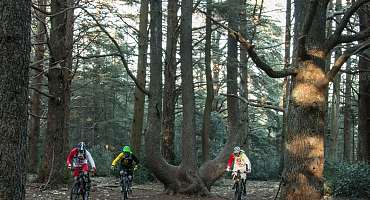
{"x": 252, "y": 53}
{"x": 43, "y": 93}
{"x": 357, "y": 37}
{"x": 335, "y": 39}
{"x": 260, "y": 105}
{"x": 120, "y": 53}
{"x": 99, "y": 56}
{"x": 344, "y": 57}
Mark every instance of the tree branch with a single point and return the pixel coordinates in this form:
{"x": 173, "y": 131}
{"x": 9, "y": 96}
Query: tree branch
{"x": 357, "y": 37}
{"x": 262, "y": 105}
{"x": 43, "y": 93}
{"x": 120, "y": 53}
{"x": 252, "y": 53}
{"x": 336, "y": 39}
{"x": 344, "y": 57}
{"x": 99, "y": 56}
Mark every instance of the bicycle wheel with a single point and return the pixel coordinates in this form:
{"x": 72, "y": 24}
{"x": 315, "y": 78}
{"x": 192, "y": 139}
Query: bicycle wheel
{"x": 124, "y": 189}
{"x": 75, "y": 195}
{"x": 238, "y": 191}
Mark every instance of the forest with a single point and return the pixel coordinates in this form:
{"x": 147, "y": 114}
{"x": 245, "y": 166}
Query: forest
{"x": 182, "y": 83}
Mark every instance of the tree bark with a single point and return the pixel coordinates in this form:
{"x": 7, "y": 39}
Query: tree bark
{"x": 15, "y": 49}
{"x": 59, "y": 84}
{"x": 184, "y": 178}
{"x": 169, "y": 96}
{"x": 244, "y": 119}
{"x": 287, "y": 80}
{"x": 364, "y": 90}
{"x": 304, "y": 152}
{"x": 232, "y": 74}
{"x": 334, "y": 122}
{"x": 36, "y": 107}
{"x": 138, "y": 119}
{"x": 210, "y": 96}
{"x": 347, "y": 149}
{"x": 189, "y": 156}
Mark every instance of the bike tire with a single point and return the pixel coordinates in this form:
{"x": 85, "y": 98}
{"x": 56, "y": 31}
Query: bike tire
{"x": 238, "y": 191}
{"x": 74, "y": 192}
{"x": 124, "y": 189}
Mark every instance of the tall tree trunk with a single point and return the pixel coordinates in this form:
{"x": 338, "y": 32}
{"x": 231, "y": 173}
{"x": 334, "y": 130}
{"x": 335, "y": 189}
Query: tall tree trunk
{"x": 364, "y": 96}
{"x": 189, "y": 158}
{"x": 347, "y": 149}
{"x": 37, "y": 84}
{"x": 334, "y": 122}
{"x": 15, "y": 49}
{"x": 210, "y": 96}
{"x": 287, "y": 80}
{"x": 304, "y": 153}
{"x": 232, "y": 74}
{"x": 59, "y": 83}
{"x": 169, "y": 96}
{"x": 183, "y": 178}
{"x": 216, "y": 67}
{"x": 244, "y": 119}
{"x": 137, "y": 124}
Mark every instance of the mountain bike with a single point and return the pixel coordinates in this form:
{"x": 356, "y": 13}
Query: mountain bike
{"x": 239, "y": 185}
{"x": 79, "y": 190}
{"x": 125, "y": 184}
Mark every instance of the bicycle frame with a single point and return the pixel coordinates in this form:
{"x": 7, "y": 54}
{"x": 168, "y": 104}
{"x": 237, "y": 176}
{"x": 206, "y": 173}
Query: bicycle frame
{"x": 125, "y": 183}
{"x": 79, "y": 187}
{"x": 238, "y": 185}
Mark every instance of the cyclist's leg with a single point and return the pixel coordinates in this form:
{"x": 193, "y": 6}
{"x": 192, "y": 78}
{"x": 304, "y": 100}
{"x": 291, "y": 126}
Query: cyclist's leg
{"x": 75, "y": 174}
{"x": 121, "y": 172}
{"x": 85, "y": 169}
{"x": 130, "y": 173}
{"x": 244, "y": 181}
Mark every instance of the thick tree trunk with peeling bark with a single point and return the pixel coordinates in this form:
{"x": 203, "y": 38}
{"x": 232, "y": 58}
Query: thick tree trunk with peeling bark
{"x": 138, "y": 119}
{"x": 53, "y": 170}
{"x": 36, "y": 106}
{"x": 304, "y": 151}
{"x": 169, "y": 96}
{"x": 15, "y": 49}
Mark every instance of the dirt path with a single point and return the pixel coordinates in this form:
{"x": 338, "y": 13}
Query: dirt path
{"x": 107, "y": 189}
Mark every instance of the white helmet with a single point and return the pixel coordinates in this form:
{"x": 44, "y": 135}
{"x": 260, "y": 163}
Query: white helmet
{"x": 237, "y": 149}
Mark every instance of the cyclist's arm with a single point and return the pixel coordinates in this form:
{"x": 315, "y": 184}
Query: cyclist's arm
{"x": 70, "y": 156}
{"x": 118, "y": 158}
{"x": 248, "y": 163}
{"x": 90, "y": 159}
{"x": 230, "y": 161}
{"x": 135, "y": 159}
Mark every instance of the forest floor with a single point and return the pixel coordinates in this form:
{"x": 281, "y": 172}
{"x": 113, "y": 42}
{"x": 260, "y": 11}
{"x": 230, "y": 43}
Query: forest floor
{"x": 107, "y": 188}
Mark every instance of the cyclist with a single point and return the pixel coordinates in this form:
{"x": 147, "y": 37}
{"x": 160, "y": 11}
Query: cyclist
{"x": 80, "y": 157}
{"x": 128, "y": 162}
{"x": 241, "y": 163}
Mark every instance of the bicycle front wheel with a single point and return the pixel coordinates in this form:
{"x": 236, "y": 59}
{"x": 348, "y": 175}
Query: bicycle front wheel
{"x": 238, "y": 191}
{"x": 75, "y": 195}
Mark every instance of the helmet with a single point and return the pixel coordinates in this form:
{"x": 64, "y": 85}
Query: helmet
{"x": 81, "y": 147}
{"x": 126, "y": 149}
{"x": 237, "y": 149}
